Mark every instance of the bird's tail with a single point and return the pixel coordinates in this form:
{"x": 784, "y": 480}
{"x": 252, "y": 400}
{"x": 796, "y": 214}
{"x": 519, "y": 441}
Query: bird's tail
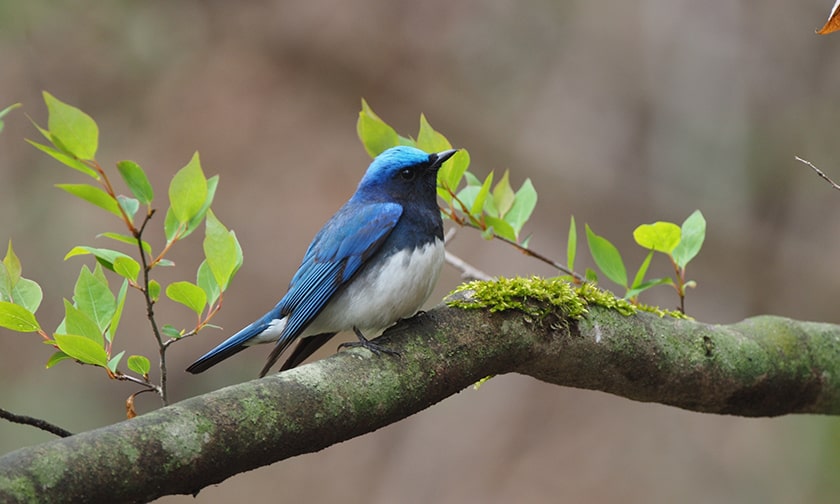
{"x": 227, "y": 348}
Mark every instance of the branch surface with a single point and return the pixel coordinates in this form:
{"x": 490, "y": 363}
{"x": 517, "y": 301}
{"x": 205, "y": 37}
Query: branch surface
{"x": 763, "y": 366}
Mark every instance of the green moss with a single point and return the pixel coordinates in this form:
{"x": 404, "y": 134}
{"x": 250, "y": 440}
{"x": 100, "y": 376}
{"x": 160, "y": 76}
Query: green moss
{"x": 537, "y": 296}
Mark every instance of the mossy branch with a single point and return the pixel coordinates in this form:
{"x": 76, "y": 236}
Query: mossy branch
{"x": 763, "y": 366}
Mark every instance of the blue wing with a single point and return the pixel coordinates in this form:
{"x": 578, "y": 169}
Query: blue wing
{"x": 337, "y": 252}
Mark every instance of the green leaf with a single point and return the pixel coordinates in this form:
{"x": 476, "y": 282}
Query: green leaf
{"x": 65, "y": 159}
{"x": 94, "y": 298}
{"x": 478, "y": 204}
{"x": 500, "y": 228}
{"x": 81, "y": 324}
{"x": 375, "y": 134}
{"x": 188, "y": 191}
{"x": 105, "y": 257}
{"x": 188, "y": 294}
{"x": 127, "y": 268}
{"x": 171, "y": 331}
{"x": 28, "y": 294}
{"x": 571, "y": 245}
{"x": 71, "y": 129}
{"x": 137, "y": 182}
{"x": 430, "y": 140}
{"x": 693, "y": 235}
{"x": 13, "y": 268}
{"x": 127, "y": 239}
{"x": 590, "y": 275}
{"x": 139, "y": 364}
{"x": 17, "y": 318}
{"x": 129, "y": 206}
{"x": 171, "y": 225}
{"x": 503, "y": 195}
{"x": 659, "y": 236}
{"x": 115, "y": 319}
{"x": 82, "y": 349}
{"x": 154, "y": 290}
{"x": 115, "y": 361}
{"x": 56, "y": 357}
{"x": 450, "y": 174}
{"x": 631, "y": 293}
{"x": 640, "y": 274}
{"x": 221, "y": 250}
{"x": 93, "y": 195}
{"x": 523, "y": 206}
{"x": 207, "y": 282}
{"x": 6, "y": 111}
{"x": 607, "y": 257}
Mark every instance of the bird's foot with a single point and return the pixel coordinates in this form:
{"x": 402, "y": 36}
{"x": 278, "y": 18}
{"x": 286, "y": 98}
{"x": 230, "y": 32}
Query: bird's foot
{"x": 366, "y": 343}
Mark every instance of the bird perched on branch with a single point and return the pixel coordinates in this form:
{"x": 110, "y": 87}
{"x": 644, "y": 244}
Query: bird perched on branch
{"x": 374, "y": 262}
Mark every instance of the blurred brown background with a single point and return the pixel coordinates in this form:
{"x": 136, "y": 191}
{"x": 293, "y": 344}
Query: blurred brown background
{"x": 620, "y": 112}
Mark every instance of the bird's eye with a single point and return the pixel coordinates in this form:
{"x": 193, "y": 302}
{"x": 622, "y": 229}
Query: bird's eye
{"x": 407, "y": 174}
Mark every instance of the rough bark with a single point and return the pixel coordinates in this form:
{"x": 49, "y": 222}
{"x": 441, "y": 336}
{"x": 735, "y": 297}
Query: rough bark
{"x": 763, "y": 366}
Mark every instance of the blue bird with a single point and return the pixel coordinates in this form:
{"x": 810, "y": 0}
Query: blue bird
{"x": 373, "y": 263}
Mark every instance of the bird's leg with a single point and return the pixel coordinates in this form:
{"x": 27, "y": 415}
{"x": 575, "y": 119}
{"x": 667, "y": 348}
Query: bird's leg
{"x": 366, "y": 343}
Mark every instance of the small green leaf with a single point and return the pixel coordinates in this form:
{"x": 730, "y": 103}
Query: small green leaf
{"x": 154, "y": 290}
{"x": 94, "y": 298}
{"x": 523, "y": 206}
{"x": 129, "y": 206}
{"x": 430, "y": 140}
{"x": 6, "y": 111}
{"x": 81, "y": 324}
{"x": 28, "y": 294}
{"x": 127, "y": 267}
{"x": 65, "y": 159}
{"x": 693, "y": 235}
{"x": 503, "y": 195}
{"x": 640, "y": 274}
{"x": 139, "y": 364}
{"x": 188, "y": 294}
{"x": 221, "y": 250}
{"x": 500, "y": 228}
{"x": 171, "y": 331}
{"x": 631, "y": 293}
{"x": 571, "y": 245}
{"x": 375, "y": 134}
{"x": 56, "y": 357}
{"x": 607, "y": 257}
{"x": 115, "y": 361}
{"x": 105, "y": 257}
{"x": 137, "y": 182}
{"x": 188, "y": 191}
{"x": 659, "y": 236}
{"x": 13, "y": 268}
{"x": 71, "y": 129}
{"x": 127, "y": 239}
{"x": 17, "y": 318}
{"x": 207, "y": 282}
{"x": 171, "y": 225}
{"x": 82, "y": 349}
{"x": 590, "y": 275}
{"x": 478, "y": 204}
{"x": 115, "y": 319}
{"x": 93, "y": 195}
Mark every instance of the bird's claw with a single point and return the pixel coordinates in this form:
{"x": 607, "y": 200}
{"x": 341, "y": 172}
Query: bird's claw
{"x": 369, "y": 345}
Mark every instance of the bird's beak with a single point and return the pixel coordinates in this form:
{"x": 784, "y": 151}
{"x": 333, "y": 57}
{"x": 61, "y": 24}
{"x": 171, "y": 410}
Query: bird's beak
{"x": 441, "y": 157}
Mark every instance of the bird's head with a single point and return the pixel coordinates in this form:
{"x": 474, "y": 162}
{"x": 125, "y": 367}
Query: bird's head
{"x": 403, "y": 174}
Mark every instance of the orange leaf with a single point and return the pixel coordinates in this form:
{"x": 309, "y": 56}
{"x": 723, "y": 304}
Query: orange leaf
{"x": 833, "y": 23}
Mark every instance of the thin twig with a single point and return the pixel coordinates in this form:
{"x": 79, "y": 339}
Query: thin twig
{"x": 35, "y": 422}
{"x": 819, "y": 172}
{"x": 468, "y": 272}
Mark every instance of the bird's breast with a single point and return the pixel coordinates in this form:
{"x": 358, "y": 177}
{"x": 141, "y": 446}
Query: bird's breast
{"x": 387, "y": 289}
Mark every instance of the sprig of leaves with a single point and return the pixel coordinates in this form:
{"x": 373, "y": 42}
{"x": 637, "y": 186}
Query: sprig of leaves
{"x": 679, "y": 243}
{"x": 87, "y": 332}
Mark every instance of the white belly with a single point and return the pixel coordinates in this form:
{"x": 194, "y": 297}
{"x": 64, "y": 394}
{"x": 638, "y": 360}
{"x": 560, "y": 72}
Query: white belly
{"x": 379, "y": 297}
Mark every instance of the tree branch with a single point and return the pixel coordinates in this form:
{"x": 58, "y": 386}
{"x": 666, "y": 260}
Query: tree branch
{"x": 763, "y": 366}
